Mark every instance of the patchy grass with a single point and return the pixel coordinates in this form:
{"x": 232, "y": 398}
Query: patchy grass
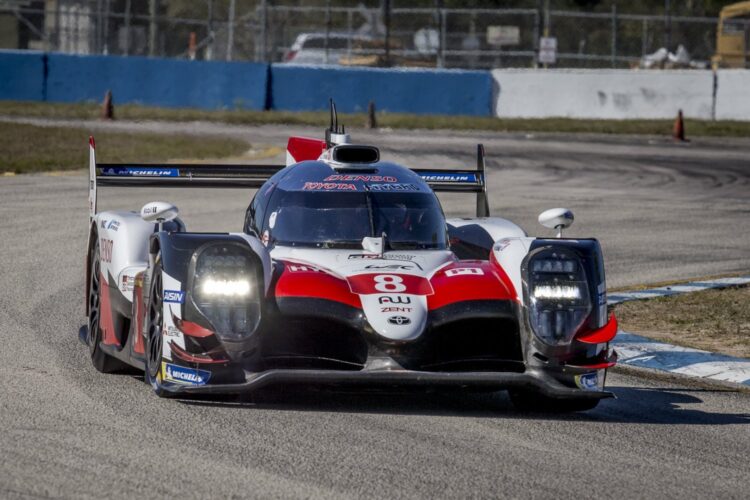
{"x": 714, "y": 320}
{"x": 392, "y": 120}
{"x": 28, "y": 148}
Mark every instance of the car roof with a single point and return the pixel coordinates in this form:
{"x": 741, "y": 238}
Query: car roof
{"x": 377, "y": 177}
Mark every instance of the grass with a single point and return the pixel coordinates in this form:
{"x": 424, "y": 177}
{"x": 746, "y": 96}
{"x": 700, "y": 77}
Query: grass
{"x": 28, "y": 148}
{"x": 391, "y": 120}
{"x": 714, "y": 320}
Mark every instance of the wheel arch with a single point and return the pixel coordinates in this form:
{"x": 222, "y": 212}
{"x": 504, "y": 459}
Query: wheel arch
{"x": 92, "y": 238}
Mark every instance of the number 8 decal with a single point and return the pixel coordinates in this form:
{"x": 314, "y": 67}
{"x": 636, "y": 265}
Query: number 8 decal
{"x": 389, "y": 283}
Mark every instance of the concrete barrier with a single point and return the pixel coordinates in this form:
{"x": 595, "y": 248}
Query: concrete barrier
{"x": 157, "y": 82}
{"x": 22, "y": 75}
{"x": 733, "y": 97}
{"x": 419, "y": 91}
{"x": 613, "y": 94}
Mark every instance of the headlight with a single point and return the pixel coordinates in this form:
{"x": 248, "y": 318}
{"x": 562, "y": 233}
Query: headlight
{"x": 226, "y": 289}
{"x": 559, "y": 299}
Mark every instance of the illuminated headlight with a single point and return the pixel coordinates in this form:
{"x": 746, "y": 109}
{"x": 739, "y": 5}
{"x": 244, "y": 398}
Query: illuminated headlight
{"x": 225, "y": 286}
{"x": 559, "y": 299}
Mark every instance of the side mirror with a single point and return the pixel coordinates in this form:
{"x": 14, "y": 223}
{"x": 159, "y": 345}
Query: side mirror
{"x": 557, "y": 218}
{"x": 159, "y": 211}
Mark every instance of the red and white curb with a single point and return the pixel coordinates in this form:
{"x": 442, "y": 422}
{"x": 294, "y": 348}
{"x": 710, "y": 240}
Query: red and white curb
{"x": 641, "y": 352}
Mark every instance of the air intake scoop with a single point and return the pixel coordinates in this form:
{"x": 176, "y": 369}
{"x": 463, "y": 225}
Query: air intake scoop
{"x": 349, "y": 154}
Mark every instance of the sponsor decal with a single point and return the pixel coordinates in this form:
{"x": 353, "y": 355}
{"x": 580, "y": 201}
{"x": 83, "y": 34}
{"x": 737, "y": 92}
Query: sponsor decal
{"x": 104, "y": 224}
{"x": 176, "y": 373}
{"x": 394, "y": 187}
{"x": 464, "y": 271}
{"x": 113, "y": 225}
{"x": 127, "y": 284}
{"x": 174, "y": 296}
{"x": 502, "y": 245}
{"x": 266, "y": 237}
{"x": 395, "y": 267}
{"x": 272, "y": 219}
{"x": 366, "y": 284}
{"x": 447, "y": 177}
{"x": 399, "y": 320}
{"x": 394, "y": 299}
{"x": 141, "y": 172}
{"x": 395, "y": 309}
{"x": 105, "y": 249}
{"x": 387, "y": 256}
{"x": 362, "y": 178}
{"x": 303, "y": 268}
{"x": 328, "y": 186}
{"x": 587, "y": 381}
{"x": 171, "y": 331}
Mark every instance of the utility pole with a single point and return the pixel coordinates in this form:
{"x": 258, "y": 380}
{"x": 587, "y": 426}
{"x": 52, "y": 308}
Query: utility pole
{"x": 152, "y": 27}
{"x": 127, "y": 27}
{"x": 209, "y": 52}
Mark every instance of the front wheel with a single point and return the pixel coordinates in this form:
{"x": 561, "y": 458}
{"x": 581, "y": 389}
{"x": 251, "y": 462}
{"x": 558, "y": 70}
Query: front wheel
{"x": 536, "y": 402}
{"x": 101, "y": 361}
{"x": 154, "y": 333}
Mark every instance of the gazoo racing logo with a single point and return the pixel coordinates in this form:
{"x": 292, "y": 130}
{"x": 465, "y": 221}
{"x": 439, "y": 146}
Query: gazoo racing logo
{"x": 174, "y": 296}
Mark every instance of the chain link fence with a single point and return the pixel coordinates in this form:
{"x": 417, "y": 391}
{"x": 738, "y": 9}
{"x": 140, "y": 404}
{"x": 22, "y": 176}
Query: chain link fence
{"x": 361, "y": 35}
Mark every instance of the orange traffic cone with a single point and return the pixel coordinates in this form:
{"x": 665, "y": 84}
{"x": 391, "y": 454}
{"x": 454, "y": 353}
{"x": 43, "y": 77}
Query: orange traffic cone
{"x": 678, "y": 130}
{"x": 108, "y": 110}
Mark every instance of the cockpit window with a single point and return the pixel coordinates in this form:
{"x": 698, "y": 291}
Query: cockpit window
{"x": 410, "y": 220}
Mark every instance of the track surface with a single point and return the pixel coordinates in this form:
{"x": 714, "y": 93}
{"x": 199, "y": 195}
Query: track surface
{"x": 662, "y": 211}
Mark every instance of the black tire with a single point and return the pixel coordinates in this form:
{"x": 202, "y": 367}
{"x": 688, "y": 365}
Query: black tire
{"x": 536, "y": 402}
{"x": 101, "y": 361}
{"x": 154, "y": 334}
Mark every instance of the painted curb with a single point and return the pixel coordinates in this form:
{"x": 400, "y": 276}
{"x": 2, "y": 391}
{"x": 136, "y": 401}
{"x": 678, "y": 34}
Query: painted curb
{"x": 641, "y": 352}
{"x": 663, "y": 291}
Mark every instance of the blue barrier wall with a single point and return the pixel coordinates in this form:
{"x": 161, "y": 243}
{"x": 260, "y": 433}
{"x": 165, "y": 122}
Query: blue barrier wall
{"x": 22, "y": 75}
{"x": 36, "y": 76}
{"x": 157, "y": 82}
{"x": 446, "y": 92}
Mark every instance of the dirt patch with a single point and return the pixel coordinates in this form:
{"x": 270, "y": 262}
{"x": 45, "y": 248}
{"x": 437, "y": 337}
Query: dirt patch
{"x": 714, "y": 320}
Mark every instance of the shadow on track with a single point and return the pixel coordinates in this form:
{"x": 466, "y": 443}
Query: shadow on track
{"x": 633, "y": 405}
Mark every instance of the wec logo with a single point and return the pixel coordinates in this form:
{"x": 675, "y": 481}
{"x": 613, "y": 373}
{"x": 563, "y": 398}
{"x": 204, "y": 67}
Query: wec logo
{"x": 174, "y": 296}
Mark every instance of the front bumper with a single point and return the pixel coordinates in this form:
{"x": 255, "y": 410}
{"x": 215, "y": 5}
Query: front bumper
{"x": 534, "y": 380}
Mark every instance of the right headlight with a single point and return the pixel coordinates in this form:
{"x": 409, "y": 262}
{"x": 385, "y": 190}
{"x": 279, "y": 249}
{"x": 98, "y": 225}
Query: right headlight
{"x": 558, "y": 295}
{"x": 227, "y": 290}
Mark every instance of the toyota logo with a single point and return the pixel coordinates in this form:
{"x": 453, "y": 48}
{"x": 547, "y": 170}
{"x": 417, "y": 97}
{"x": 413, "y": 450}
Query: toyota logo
{"x": 399, "y": 320}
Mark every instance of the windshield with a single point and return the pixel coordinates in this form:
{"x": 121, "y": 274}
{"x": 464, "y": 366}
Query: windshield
{"x": 340, "y": 220}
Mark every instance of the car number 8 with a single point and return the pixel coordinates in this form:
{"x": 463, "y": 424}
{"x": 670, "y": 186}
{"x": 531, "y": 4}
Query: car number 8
{"x": 389, "y": 283}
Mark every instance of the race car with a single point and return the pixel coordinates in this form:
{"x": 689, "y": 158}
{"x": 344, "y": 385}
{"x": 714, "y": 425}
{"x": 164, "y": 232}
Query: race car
{"x": 346, "y": 273}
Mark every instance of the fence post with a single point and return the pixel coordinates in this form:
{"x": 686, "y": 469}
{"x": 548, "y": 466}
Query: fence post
{"x": 644, "y": 39}
{"x": 667, "y": 25}
{"x": 328, "y": 28}
{"x": 230, "y": 29}
{"x": 387, "y": 19}
{"x": 442, "y": 37}
{"x": 127, "y": 27}
{"x": 614, "y": 34}
{"x": 152, "y": 28}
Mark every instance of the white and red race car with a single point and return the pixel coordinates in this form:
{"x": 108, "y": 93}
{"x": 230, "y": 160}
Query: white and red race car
{"x": 346, "y": 273}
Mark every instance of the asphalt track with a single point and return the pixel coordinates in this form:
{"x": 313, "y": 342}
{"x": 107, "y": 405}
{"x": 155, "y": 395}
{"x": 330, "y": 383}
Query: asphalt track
{"x": 662, "y": 211}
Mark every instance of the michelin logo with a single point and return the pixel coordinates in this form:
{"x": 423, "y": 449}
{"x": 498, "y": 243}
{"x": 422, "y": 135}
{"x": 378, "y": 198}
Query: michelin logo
{"x": 174, "y": 296}
{"x": 142, "y": 172}
{"x": 448, "y": 177}
{"x": 185, "y": 375}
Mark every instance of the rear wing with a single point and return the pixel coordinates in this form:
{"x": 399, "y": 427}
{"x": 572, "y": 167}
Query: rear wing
{"x": 254, "y": 176}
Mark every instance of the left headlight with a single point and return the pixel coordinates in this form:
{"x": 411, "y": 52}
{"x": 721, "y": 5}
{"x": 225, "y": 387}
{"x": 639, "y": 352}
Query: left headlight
{"x": 558, "y": 295}
{"x": 227, "y": 289}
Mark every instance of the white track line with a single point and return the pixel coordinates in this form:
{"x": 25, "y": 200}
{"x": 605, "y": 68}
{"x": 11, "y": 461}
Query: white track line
{"x": 693, "y": 286}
